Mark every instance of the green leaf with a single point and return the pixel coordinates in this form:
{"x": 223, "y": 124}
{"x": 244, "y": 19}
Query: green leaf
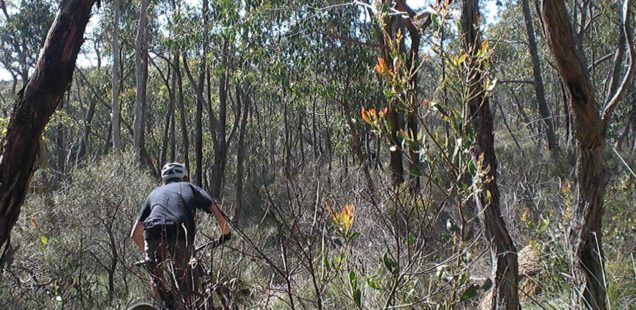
{"x": 464, "y": 279}
{"x": 434, "y": 19}
{"x": 44, "y": 240}
{"x": 451, "y": 226}
{"x": 353, "y": 280}
{"x": 416, "y": 172}
{"x": 337, "y": 259}
{"x": 543, "y": 224}
{"x": 373, "y": 284}
{"x": 410, "y": 239}
{"x": 390, "y": 264}
{"x": 325, "y": 262}
{"x": 356, "y": 294}
{"x": 355, "y": 235}
{"x": 472, "y": 168}
{"x": 487, "y": 284}
{"x": 357, "y": 297}
{"x": 388, "y": 93}
{"x": 469, "y": 293}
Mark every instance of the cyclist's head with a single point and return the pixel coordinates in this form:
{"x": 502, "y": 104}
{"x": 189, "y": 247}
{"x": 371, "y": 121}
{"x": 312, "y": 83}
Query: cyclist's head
{"x": 174, "y": 172}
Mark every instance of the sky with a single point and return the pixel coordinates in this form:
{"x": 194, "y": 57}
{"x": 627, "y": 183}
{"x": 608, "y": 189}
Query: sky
{"x": 490, "y": 11}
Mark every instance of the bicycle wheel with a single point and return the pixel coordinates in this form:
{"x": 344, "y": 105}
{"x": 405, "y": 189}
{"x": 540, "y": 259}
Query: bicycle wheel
{"x": 142, "y": 306}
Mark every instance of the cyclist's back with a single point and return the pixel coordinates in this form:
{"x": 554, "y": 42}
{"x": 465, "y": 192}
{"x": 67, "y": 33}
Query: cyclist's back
{"x": 174, "y": 205}
{"x": 165, "y": 226}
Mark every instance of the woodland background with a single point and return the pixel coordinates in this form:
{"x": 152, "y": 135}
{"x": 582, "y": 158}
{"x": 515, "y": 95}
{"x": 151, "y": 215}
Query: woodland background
{"x": 344, "y": 140}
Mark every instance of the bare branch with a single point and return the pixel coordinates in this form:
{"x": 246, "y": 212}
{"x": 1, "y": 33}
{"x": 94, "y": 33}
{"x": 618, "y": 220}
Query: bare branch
{"x": 599, "y": 61}
{"x": 626, "y": 39}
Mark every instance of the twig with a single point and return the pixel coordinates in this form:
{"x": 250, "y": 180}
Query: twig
{"x": 624, "y": 162}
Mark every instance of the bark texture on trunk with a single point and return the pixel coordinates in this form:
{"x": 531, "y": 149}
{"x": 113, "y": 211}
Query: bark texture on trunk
{"x": 115, "y": 81}
{"x": 412, "y": 106}
{"x": 590, "y": 130}
{"x": 505, "y": 268}
{"x": 198, "y": 116}
{"x": 391, "y": 25}
{"x": 35, "y": 104}
{"x": 141, "y": 75}
{"x": 244, "y": 94}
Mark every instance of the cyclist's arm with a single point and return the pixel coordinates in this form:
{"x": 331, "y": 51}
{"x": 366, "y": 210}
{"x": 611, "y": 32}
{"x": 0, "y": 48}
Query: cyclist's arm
{"x": 221, "y": 219}
{"x": 137, "y": 234}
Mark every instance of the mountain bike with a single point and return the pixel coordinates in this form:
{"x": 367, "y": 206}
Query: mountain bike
{"x": 208, "y": 293}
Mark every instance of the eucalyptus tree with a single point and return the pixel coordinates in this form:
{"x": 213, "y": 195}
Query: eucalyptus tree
{"x": 22, "y": 34}
{"x": 332, "y": 68}
{"x": 400, "y": 67}
{"x": 505, "y": 268}
{"x": 141, "y": 78}
{"x": 542, "y": 103}
{"x": 591, "y": 129}
{"x": 34, "y": 107}
{"x": 116, "y": 78}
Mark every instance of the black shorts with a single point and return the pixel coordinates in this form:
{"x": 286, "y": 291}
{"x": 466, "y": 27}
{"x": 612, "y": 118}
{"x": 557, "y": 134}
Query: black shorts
{"x": 164, "y": 241}
{"x": 173, "y": 231}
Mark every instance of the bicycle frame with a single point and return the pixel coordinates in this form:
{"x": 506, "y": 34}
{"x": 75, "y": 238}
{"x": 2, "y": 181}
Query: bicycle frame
{"x": 201, "y": 293}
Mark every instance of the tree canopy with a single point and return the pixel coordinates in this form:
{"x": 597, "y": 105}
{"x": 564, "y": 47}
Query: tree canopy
{"x": 370, "y": 154}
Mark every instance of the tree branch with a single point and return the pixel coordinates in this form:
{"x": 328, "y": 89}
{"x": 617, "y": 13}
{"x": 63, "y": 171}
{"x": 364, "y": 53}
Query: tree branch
{"x": 198, "y": 88}
{"x": 626, "y": 38}
{"x": 599, "y": 61}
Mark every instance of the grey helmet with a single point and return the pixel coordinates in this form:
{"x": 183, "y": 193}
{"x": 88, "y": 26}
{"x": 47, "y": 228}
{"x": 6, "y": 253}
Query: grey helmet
{"x": 173, "y": 171}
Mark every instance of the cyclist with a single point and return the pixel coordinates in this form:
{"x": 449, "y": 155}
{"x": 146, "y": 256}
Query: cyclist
{"x": 165, "y": 226}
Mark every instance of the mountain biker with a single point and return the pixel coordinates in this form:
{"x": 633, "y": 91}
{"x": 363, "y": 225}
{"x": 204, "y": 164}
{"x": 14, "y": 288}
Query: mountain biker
{"x": 165, "y": 226}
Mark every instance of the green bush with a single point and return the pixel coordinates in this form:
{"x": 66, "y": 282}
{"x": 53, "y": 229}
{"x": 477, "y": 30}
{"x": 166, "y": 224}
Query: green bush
{"x": 73, "y": 247}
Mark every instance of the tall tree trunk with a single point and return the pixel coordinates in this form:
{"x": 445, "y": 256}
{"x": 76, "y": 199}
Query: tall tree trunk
{"x": 35, "y": 104}
{"x": 198, "y": 134}
{"x": 185, "y": 151}
{"x": 538, "y": 80}
{"x": 301, "y": 136}
{"x": 413, "y": 107}
{"x": 59, "y": 166}
{"x": 626, "y": 141}
{"x": 240, "y": 153}
{"x": 411, "y": 57}
{"x": 198, "y": 118}
{"x": 141, "y": 75}
{"x": 173, "y": 102}
{"x": 356, "y": 140}
{"x": 87, "y": 121}
{"x": 393, "y": 116}
{"x": 165, "y": 137}
{"x": 315, "y": 143}
{"x": 505, "y": 269}
{"x": 221, "y": 141}
{"x": 590, "y": 131}
{"x": 399, "y": 118}
{"x": 115, "y": 81}
{"x": 24, "y": 65}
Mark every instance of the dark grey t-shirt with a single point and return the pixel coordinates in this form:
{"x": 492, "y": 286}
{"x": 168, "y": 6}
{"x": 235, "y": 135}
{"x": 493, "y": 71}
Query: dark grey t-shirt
{"x": 174, "y": 203}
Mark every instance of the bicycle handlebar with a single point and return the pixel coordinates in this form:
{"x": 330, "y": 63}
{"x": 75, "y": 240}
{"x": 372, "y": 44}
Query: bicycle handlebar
{"x": 213, "y": 243}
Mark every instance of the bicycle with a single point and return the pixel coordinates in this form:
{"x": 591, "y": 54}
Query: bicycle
{"x": 204, "y": 286}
